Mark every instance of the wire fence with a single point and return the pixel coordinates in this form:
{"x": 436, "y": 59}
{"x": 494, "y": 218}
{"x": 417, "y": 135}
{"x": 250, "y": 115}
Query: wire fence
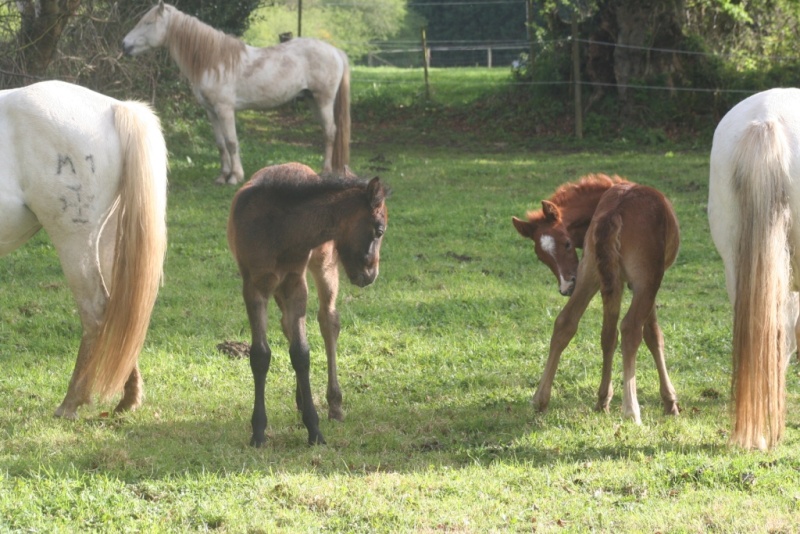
{"x": 509, "y": 54}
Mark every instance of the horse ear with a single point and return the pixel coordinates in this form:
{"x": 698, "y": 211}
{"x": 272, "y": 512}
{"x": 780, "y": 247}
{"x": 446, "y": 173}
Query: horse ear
{"x": 551, "y": 211}
{"x": 524, "y": 228}
{"x": 160, "y": 6}
{"x": 376, "y": 193}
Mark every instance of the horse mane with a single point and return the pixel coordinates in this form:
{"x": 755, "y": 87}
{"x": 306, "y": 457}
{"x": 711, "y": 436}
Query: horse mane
{"x": 291, "y": 190}
{"x": 567, "y": 193}
{"x": 197, "y": 47}
{"x": 588, "y": 183}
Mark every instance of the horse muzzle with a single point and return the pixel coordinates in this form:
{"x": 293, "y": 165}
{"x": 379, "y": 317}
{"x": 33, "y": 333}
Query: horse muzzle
{"x": 364, "y": 278}
{"x": 566, "y": 287}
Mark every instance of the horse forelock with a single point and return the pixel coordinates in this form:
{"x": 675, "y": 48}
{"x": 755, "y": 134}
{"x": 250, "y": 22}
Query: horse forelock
{"x": 197, "y": 47}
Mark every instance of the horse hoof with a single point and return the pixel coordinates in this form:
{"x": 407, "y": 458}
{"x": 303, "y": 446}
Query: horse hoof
{"x": 221, "y": 180}
{"x": 316, "y": 440}
{"x": 335, "y": 414}
{"x": 257, "y": 442}
{"x": 672, "y": 409}
{"x": 66, "y": 413}
{"x": 232, "y": 180}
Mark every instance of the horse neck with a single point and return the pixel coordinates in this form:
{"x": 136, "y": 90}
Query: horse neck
{"x": 197, "y": 47}
{"x": 330, "y": 215}
{"x": 578, "y": 210}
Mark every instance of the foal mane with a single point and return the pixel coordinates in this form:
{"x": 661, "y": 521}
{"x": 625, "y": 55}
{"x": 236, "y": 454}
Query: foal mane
{"x": 566, "y": 193}
{"x": 292, "y": 190}
{"x": 197, "y": 47}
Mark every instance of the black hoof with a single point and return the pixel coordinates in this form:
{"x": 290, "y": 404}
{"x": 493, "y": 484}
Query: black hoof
{"x": 316, "y": 440}
{"x": 257, "y": 442}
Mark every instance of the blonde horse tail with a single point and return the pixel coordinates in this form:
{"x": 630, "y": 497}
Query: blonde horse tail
{"x": 341, "y": 113}
{"x": 140, "y": 247}
{"x": 763, "y": 277}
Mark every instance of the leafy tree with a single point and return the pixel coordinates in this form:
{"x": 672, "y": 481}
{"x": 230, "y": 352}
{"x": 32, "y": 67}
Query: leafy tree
{"x": 230, "y": 16}
{"x": 352, "y": 27}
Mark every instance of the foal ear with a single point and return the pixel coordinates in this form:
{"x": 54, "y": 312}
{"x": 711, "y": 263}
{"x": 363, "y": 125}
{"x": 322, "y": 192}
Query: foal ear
{"x": 376, "y": 193}
{"x": 551, "y": 211}
{"x": 160, "y": 6}
{"x": 524, "y": 228}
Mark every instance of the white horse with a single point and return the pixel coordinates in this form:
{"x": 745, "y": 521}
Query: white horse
{"x": 91, "y": 171}
{"x": 753, "y": 208}
{"x": 227, "y": 75}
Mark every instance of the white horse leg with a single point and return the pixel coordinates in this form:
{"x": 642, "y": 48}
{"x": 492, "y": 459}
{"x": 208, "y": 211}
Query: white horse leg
{"x": 82, "y": 271}
{"x": 324, "y": 112}
{"x": 227, "y": 125}
{"x": 222, "y": 146}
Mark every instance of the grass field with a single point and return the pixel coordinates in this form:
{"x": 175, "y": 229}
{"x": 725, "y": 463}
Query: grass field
{"x": 437, "y": 360}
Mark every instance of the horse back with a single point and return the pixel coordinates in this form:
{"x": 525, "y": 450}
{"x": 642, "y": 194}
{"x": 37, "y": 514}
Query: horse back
{"x": 634, "y": 230}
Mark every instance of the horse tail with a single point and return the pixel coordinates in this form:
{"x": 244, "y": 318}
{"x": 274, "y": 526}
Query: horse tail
{"x": 139, "y": 249}
{"x": 607, "y": 252}
{"x": 763, "y": 277}
{"x": 341, "y": 114}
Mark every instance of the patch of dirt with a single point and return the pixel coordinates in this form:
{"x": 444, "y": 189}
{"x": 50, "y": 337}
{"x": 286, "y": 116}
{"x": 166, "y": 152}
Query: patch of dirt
{"x": 234, "y": 349}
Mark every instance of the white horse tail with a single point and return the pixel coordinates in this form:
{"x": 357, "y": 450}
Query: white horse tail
{"x": 341, "y": 115}
{"x": 140, "y": 247}
{"x": 761, "y": 183}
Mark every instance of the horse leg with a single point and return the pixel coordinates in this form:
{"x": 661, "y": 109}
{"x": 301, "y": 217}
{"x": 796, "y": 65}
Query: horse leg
{"x": 85, "y": 279}
{"x": 222, "y": 146}
{"x": 260, "y": 357}
{"x": 294, "y": 294}
{"x": 133, "y": 392}
{"x": 324, "y": 113}
{"x": 324, "y": 268}
{"x": 612, "y": 301}
{"x": 632, "y": 330}
{"x": 227, "y": 121}
{"x": 564, "y": 330}
{"x": 654, "y": 339}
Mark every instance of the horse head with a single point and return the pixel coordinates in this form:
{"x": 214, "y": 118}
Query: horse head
{"x": 552, "y": 244}
{"x": 149, "y": 32}
{"x": 359, "y": 246}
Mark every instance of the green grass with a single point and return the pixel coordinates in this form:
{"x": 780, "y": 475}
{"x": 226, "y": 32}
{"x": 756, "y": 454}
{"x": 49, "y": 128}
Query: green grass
{"x": 437, "y": 360}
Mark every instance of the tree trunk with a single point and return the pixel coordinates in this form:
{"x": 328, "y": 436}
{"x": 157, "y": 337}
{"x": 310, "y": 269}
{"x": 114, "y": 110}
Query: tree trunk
{"x": 639, "y": 26}
{"x": 43, "y": 21}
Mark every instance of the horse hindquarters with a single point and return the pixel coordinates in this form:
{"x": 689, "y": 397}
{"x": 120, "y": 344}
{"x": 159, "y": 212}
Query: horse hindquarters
{"x": 759, "y": 276}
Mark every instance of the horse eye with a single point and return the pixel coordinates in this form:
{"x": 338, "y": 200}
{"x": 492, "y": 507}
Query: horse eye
{"x": 568, "y": 245}
{"x": 379, "y": 232}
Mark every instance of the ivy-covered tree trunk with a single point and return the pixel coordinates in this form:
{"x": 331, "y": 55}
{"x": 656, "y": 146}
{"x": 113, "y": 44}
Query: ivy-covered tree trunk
{"x": 645, "y": 31}
{"x": 43, "y": 21}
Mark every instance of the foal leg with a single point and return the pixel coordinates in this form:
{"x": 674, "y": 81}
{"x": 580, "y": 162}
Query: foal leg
{"x": 564, "y": 330}
{"x": 260, "y": 358}
{"x": 294, "y": 295}
{"x": 642, "y": 306}
{"x": 324, "y": 268}
{"x": 654, "y": 339}
{"x": 612, "y": 301}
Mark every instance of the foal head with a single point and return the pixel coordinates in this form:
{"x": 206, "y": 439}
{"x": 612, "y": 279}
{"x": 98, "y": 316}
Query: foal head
{"x": 359, "y": 245}
{"x": 150, "y": 32}
{"x": 552, "y": 244}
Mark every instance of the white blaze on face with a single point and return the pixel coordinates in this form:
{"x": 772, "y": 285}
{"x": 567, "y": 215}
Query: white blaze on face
{"x": 548, "y": 245}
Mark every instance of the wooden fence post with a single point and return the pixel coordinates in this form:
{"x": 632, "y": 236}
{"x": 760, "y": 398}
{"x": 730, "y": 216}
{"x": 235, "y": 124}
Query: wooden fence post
{"x": 425, "y": 61}
{"x": 576, "y": 74}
